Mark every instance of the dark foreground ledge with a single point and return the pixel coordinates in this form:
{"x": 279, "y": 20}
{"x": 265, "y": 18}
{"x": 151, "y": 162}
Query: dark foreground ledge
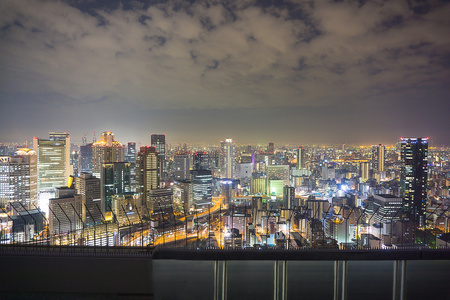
{"x": 307, "y": 254}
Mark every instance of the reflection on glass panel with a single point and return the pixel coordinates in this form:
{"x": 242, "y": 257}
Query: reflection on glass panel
{"x": 250, "y": 280}
{"x": 310, "y": 279}
{"x": 427, "y": 279}
{"x": 370, "y": 280}
{"x": 177, "y": 279}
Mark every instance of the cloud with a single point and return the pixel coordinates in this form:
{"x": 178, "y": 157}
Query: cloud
{"x": 220, "y": 54}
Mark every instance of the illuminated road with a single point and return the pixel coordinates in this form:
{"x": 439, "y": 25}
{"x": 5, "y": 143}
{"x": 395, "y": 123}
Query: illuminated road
{"x": 217, "y": 203}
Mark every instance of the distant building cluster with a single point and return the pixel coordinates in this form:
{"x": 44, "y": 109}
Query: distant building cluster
{"x": 227, "y": 196}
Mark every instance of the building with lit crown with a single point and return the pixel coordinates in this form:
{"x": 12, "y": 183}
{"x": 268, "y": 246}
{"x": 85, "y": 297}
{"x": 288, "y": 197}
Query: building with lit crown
{"x": 106, "y": 150}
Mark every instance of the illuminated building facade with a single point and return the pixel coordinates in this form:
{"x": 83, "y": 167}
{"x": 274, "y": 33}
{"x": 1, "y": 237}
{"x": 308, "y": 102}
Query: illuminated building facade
{"x": 364, "y": 171}
{"x": 387, "y": 207}
{"x": 301, "y": 158}
{"x": 53, "y": 163}
{"x": 378, "y": 157}
{"x": 202, "y": 182}
{"x": 182, "y": 166}
{"x": 228, "y": 160}
{"x": 147, "y": 172}
{"x": 278, "y": 172}
{"x": 106, "y": 150}
{"x": 88, "y": 187}
{"x": 159, "y": 142}
{"x": 115, "y": 180}
{"x": 414, "y": 154}
{"x": 18, "y": 178}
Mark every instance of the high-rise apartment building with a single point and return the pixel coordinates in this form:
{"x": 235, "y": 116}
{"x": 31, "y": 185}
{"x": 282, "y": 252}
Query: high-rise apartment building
{"x": 228, "y": 161}
{"x": 115, "y": 180}
{"x": 364, "y": 171}
{"x": 18, "y": 179}
{"x": 88, "y": 187}
{"x": 159, "y": 142}
{"x": 107, "y": 150}
{"x": 301, "y": 158}
{"x": 378, "y": 157}
{"x": 414, "y": 153}
{"x": 147, "y": 172}
{"x": 53, "y": 163}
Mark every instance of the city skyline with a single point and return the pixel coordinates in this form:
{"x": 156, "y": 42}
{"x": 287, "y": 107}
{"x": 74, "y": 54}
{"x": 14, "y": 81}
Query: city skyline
{"x": 352, "y": 72}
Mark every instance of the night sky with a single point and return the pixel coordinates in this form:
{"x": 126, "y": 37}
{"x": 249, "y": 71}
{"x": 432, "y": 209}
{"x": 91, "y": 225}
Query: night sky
{"x": 298, "y": 72}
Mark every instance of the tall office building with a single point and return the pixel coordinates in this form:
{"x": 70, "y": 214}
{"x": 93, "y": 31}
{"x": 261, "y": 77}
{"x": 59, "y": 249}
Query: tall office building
{"x": 53, "y": 163}
{"x": 75, "y": 162}
{"x": 88, "y": 187}
{"x": 18, "y": 179}
{"x": 228, "y": 161}
{"x": 301, "y": 158}
{"x": 378, "y": 157}
{"x": 182, "y": 166}
{"x": 131, "y": 152}
{"x": 202, "y": 183}
{"x": 159, "y": 142}
{"x": 147, "y": 172}
{"x": 414, "y": 153}
{"x": 107, "y": 150}
{"x": 115, "y": 180}
{"x": 86, "y": 158}
{"x": 131, "y": 158}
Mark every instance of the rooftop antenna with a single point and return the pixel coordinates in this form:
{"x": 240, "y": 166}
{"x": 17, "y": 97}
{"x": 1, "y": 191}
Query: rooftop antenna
{"x": 94, "y": 139}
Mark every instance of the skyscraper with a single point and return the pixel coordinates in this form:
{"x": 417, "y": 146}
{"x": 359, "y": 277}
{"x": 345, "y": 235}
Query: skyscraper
{"x": 228, "y": 162}
{"x": 147, "y": 172}
{"x": 364, "y": 171}
{"x": 378, "y": 156}
{"x": 86, "y": 158}
{"x": 182, "y": 166}
{"x": 414, "y": 153}
{"x": 88, "y": 187}
{"x": 105, "y": 151}
{"x": 18, "y": 178}
{"x": 301, "y": 158}
{"x": 159, "y": 142}
{"x": 115, "y": 180}
{"x": 131, "y": 152}
{"x": 53, "y": 162}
